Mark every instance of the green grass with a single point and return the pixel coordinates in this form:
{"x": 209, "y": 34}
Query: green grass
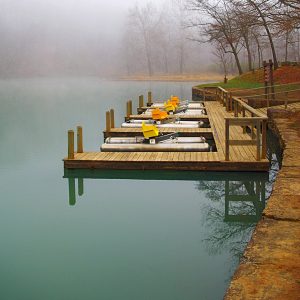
{"x": 235, "y": 83}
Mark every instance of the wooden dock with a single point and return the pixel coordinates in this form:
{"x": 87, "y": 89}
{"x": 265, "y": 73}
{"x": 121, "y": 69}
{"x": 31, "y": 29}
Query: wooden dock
{"x": 236, "y": 148}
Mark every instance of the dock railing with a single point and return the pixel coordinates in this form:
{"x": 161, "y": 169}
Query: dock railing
{"x": 246, "y": 117}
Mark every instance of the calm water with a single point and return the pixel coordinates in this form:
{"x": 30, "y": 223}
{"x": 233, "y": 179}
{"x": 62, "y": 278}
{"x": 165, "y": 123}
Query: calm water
{"x": 129, "y": 235}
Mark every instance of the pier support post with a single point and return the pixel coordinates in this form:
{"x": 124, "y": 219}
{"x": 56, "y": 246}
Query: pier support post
{"x": 70, "y": 144}
{"x": 79, "y": 140}
{"x": 112, "y": 118}
{"x": 141, "y": 101}
{"x": 149, "y": 102}
{"x": 108, "y": 121}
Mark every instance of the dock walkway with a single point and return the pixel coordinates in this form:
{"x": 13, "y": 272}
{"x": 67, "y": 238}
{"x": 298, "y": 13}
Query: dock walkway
{"x": 241, "y": 157}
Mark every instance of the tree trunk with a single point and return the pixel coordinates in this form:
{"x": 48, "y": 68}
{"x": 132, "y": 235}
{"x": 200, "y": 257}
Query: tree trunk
{"x": 286, "y": 46}
{"x": 236, "y": 57}
{"x": 268, "y": 33}
{"x": 248, "y": 53}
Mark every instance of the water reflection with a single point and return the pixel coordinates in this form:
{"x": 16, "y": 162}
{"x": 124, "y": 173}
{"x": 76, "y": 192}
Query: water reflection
{"x": 244, "y": 193}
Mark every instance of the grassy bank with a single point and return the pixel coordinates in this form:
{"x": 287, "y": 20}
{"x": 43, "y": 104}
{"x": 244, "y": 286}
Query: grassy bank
{"x": 255, "y": 79}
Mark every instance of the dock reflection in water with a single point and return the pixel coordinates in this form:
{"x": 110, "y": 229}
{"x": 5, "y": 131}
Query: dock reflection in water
{"x": 244, "y": 193}
{"x": 206, "y": 233}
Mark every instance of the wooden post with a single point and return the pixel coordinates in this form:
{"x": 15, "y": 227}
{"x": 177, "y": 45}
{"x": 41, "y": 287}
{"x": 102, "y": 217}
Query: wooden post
{"x": 80, "y": 186}
{"x": 258, "y": 137}
{"x": 127, "y": 109}
{"x": 226, "y": 139}
{"x": 252, "y": 128}
{"x": 70, "y": 144}
{"x": 203, "y": 94}
{"x": 141, "y": 101}
{"x": 222, "y": 97}
{"x": 243, "y": 115}
{"x": 149, "y": 102}
{"x": 108, "y": 121}
{"x": 230, "y": 102}
{"x": 112, "y": 118}
{"x": 79, "y": 140}
{"x": 130, "y": 107}
{"x": 235, "y": 109}
{"x": 264, "y": 139}
{"x": 227, "y": 101}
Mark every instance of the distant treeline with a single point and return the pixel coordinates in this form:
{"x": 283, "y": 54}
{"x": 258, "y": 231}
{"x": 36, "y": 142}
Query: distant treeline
{"x": 242, "y": 33}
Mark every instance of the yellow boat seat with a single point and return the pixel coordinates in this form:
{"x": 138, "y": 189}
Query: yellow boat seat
{"x": 169, "y": 106}
{"x": 149, "y": 131}
{"x": 175, "y": 100}
{"x": 158, "y": 114}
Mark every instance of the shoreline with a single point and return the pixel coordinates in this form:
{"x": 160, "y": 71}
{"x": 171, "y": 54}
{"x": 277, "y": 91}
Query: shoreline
{"x": 270, "y": 267}
{"x": 210, "y": 77}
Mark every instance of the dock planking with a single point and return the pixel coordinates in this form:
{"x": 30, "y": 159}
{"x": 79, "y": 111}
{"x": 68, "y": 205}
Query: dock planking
{"x": 241, "y": 158}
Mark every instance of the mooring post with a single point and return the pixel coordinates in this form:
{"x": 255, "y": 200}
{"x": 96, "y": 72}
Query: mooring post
{"x": 70, "y": 144}
{"x": 130, "y": 107}
{"x": 127, "y": 109}
{"x": 141, "y": 101}
{"x": 79, "y": 140}
{"x": 112, "y": 118}
{"x": 108, "y": 121}
{"x": 149, "y": 102}
{"x": 227, "y": 139}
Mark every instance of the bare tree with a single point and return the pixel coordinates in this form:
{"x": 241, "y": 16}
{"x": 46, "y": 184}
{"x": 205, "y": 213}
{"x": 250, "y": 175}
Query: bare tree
{"x": 218, "y": 26}
{"x": 146, "y": 20}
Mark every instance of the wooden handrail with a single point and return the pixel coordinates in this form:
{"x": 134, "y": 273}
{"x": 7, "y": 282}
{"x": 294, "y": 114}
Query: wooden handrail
{"x": 259, "y": 140}
{"x": 275, "y": 93}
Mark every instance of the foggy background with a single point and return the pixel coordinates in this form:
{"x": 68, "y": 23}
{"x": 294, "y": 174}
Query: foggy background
{"x": 82, "y": 38}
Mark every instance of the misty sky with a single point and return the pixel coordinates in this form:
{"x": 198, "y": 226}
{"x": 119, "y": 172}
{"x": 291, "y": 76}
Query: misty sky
{"x": 41, "y": 37}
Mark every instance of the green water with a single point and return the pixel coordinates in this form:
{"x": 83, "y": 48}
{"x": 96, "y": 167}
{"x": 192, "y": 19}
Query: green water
{"x": 129, "y": 235}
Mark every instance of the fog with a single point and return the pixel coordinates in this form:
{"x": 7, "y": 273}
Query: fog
{"x": 64, "y": 37}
